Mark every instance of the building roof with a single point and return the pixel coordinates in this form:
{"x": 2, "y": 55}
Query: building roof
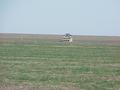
{"x": 67, "y": 35}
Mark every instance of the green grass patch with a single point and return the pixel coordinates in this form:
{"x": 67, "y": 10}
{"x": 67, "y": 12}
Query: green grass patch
{"x": 89, "y": 67}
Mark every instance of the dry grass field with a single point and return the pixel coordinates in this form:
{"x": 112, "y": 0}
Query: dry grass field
{"x": 43, "y": 62}
{"x": 28, "y": 38}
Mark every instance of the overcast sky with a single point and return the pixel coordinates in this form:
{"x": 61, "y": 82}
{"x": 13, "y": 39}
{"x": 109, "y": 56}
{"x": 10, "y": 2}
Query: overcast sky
{"x": 84, "y": 17}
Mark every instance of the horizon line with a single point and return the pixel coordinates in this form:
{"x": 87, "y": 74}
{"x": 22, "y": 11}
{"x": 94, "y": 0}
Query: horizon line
{"x": 57, "y": 34}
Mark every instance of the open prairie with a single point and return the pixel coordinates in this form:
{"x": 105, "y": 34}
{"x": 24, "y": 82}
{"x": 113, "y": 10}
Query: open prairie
{"x": 43, "y": 62}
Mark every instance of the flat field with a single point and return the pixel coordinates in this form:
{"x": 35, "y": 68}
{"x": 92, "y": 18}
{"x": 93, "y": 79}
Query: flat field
{"x": 43, "y": 62}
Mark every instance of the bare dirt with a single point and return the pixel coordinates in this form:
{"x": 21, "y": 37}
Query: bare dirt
{"x": 25, "y": 87}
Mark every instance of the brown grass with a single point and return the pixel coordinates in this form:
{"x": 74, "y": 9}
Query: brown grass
{"x": 23, "y": 87}
{"x": 28, "y": 38}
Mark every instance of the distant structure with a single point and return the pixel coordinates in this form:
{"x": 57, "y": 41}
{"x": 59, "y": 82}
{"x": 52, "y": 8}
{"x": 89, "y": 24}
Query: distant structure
{"x": 67, "y": 38}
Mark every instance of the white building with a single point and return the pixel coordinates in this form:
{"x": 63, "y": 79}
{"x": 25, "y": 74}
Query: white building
{"x": 67, "y": 38}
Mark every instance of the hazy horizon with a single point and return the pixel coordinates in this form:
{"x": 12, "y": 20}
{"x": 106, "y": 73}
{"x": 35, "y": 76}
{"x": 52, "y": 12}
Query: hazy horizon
{"x": 77, "y": 17}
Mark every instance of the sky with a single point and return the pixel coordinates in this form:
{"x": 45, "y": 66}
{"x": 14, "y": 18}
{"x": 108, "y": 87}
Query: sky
{"x": 81, "y": 17}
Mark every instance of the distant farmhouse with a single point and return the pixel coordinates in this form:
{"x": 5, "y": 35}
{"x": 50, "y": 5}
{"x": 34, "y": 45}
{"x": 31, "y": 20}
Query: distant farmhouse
{"x": 67, "y": 38}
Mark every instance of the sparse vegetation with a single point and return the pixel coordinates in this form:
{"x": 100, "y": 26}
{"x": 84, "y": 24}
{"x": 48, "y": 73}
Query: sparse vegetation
{"x": 51, "y": 65}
